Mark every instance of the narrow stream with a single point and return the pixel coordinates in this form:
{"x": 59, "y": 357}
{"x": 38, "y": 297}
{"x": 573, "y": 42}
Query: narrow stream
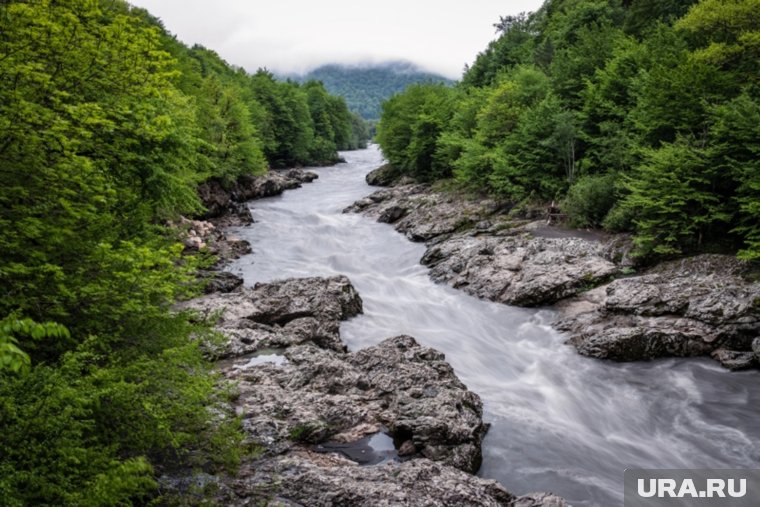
{"x": 560, "y": 422}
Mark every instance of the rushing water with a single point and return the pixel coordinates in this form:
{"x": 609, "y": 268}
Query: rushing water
{"x": 560, "y": 422}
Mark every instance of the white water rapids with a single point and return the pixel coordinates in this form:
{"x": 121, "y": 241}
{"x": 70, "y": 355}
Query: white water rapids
{"x": 560, "y": 422}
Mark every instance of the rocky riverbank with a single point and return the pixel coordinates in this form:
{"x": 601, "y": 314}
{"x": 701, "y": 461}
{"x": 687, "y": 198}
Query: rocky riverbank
{"x": 611, "y": 309}
{"x": 314, "y": 409}
{"x": 226, "y": 206}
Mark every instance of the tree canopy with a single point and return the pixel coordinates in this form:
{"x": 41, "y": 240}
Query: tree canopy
{"x": 637, "y": 115}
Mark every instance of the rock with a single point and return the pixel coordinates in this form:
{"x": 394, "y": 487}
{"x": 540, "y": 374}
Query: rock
{"x": 519, "y": 270}
{"x": 398, "y": 384}
{"x": 311, "y": 479}
{"x": 539, "y": 500}
{"x": 426, "y": 214}
{"x": 688, "y": 307}
{"x": 280, "y": 314}
{"x": 301, "y": 175}
{"x": 473, "y": 247}
{"x": 734, "y": 360}
{"x": 756, "y": 347}
{"x": 383, "y": 176}
{"x": 314, "y": 409}
{"x": 391, "y": 214}
{"x": 221, "y": 281}
{"x": 226, "y": 200}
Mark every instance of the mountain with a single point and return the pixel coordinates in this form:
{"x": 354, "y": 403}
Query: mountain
{"x": 366, "y": 86}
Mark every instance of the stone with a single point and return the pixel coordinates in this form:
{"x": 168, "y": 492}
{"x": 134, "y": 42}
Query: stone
{"x": 689, "y": 307}
{"x": 383, "y": 176}
{"x": 735, "y": 360}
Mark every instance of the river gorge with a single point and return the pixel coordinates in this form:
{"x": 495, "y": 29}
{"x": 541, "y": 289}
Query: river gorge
{"x": 560, "y": 422}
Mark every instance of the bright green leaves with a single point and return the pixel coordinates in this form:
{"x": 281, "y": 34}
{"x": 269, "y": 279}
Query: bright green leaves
{"x": 412, "y": 122}
{"x": 12, "y": 357}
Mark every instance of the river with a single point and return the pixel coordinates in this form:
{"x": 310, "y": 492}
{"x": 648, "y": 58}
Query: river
{"x": 560, "y": 422}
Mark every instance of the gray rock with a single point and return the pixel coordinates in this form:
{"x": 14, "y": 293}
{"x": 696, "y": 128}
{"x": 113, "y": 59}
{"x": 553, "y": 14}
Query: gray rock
{"x": 472, "y": 246}
{"x": 309, "y": 479}
{"x": 519, "y": 270}
{"x": 279, "y": 314}
{"x": 221, "y": 281}
{"x": 734, "y": 360}
{"x": 223, "y": 199}
{"x": 398, "y": 384}
{"x": 383, "y": 176}
{"x": 688, "y": 307}
{"x": 756, "y": 347}
{"x": 319, "y": 393}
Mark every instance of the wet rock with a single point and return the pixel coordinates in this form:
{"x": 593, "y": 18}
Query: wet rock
{"x": 392, "y": 214}
{"x": 398, "y": 384}
{"x": 383, "y": 176}
{"x": 427, "y": 214}
{"x": 221, "y": 281}
{"x": 539, "y": 500}
{"x": 280, "y": 314}
{"x": 474, "y": 247}
{"x": 201, "y": 235}
{"x": 311, "y": 479}
{"x": 734, "y": 360}
{"x": 756, "y": 348}
{"x": 519, "y": 270}
{"x": 301, "y": 175}
{"x": 688, "y": 307}
{"x": 317, "y": 396}
{"x": 224, "y": 199}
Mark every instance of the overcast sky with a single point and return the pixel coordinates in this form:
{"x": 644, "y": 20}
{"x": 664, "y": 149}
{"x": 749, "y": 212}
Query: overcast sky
{"x": 297, "y": 35}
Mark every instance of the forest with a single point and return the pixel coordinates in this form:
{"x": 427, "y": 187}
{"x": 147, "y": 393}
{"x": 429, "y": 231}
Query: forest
{"x": 108, "y": 124}
{"x": 365, "y": 87}
{"x": 633, "y": 115}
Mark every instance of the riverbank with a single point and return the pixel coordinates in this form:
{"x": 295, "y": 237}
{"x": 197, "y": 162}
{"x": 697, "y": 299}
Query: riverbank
{"x": 332, "y": 426}
{"x": 611, "y": 308}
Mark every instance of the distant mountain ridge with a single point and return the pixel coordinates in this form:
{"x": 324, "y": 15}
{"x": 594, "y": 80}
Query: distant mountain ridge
{"x": 366, "y": 86}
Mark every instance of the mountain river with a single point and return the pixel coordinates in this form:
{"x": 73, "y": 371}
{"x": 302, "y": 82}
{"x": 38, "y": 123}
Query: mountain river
{"x": 560, "y": 422}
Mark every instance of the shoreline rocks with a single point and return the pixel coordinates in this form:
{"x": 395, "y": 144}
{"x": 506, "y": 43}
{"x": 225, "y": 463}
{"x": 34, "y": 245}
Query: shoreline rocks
{"x": 699, "y": 306}
{"x": 298, "y": 386}
{"x": 225, "y": 202}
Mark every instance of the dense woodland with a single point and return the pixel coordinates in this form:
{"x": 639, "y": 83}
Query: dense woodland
{"x": 635, "y": 115}
{"x": 366, "y": 87}
{"x": 107, "y": 126}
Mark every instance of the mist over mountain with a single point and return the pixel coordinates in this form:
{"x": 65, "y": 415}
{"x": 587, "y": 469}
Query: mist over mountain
{"x": 366, "y": 86}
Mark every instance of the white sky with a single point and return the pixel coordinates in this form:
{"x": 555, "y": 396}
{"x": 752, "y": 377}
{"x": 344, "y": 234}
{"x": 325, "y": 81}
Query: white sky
{"x": 297, "y": 35}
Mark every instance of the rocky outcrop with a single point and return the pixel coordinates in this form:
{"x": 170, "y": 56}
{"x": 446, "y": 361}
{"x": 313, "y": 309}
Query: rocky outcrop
{"x": 280, "y": 314}
{"x": 696, "y": 306}
{"x": 298, "y": 387}
{"x": 693, "y": 307}
{"x": 383, "y": 176}
{"x": 225, "y": 202}
{"x": 202, "y": 235}
{"x": 519, "y": 269}
{"x": 473, "y": 245}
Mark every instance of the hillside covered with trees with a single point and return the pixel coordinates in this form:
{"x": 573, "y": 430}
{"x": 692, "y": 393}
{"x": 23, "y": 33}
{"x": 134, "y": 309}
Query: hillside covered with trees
{"x": 635, "y": 115}
{"x": 107, "y": 126}
{"x": 365, "y": 87}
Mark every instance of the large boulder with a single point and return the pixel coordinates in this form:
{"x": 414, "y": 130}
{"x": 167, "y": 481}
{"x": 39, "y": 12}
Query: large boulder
{"x": 224, "y": 199}
{"x": 308, "y": 479}
{"x": 519, "y": 269}
{"x": 399, "y": 385}
{"x": 383, "y": 176}
{"x": 473, "y": 246}
{"x": 306, "y": 402}
{"x": 688, "y": 307}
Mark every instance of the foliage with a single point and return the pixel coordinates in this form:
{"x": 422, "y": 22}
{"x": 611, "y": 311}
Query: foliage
{"x": 652, "y": 104}
{"x": 365, "y": 87}
{"x": 589, "y": 200}
{"x": 107, "y": 126}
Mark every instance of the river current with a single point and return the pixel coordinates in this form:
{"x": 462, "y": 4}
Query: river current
{"x": 560, "y": 422}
